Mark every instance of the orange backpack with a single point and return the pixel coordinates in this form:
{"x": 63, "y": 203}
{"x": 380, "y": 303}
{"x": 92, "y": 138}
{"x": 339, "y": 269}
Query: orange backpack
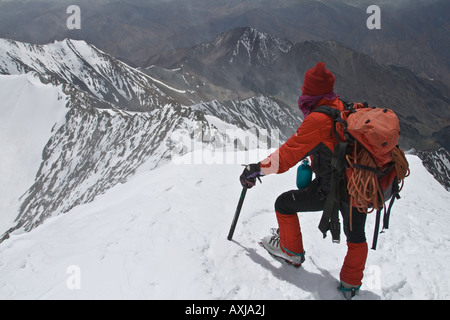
{"x": 368, "y": 167}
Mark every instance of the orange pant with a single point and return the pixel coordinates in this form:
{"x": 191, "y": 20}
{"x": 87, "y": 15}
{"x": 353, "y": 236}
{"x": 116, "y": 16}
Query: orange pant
{"x": 352, "y": 271}
{"x": 292, "y": 243}
{"x": 290, "y": 233}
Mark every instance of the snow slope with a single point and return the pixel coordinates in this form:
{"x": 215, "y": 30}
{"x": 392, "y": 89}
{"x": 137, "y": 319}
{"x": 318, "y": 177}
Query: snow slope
{"x": 162, "y": 235}
{"x": 29, "y": 111}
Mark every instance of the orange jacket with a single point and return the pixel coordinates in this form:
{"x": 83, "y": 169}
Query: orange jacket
{"x": 315, "y": 137}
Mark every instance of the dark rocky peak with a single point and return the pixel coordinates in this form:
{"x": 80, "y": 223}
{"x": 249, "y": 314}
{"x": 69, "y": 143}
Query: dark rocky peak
{"x": 244, "y": 45}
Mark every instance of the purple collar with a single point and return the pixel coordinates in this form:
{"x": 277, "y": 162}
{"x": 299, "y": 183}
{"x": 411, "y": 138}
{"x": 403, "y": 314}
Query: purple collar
{"x": 306, "y": 103}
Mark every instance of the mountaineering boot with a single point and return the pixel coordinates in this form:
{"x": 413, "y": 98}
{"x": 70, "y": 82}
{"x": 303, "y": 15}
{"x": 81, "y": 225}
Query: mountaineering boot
{"x": 272, "y": 245}
{"x": 348, "y": 290}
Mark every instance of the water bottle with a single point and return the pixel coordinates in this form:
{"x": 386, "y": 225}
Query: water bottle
{"x": 304, "y": 174}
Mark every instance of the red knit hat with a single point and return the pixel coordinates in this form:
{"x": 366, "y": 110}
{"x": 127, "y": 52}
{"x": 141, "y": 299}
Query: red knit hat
{"x": 318, "y": 81}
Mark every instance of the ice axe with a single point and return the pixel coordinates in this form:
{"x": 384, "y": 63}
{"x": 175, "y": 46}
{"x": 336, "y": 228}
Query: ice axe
{"x": 236, "y": 214}
{"x": 239, "y": 206}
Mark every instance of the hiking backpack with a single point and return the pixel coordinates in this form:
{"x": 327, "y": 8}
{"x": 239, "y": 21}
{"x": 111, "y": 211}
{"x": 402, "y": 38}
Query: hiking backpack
{"x": 368, "y": 167}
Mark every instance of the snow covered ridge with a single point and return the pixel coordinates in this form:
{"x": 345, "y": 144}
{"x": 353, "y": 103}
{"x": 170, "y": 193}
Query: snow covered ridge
{"x": 97, "y": 149}
{"x": 87, "y": 68}
{"x": 89, "y": 150}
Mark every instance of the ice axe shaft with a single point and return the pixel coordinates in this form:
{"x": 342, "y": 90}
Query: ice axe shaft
{"x": 236, "y": 214}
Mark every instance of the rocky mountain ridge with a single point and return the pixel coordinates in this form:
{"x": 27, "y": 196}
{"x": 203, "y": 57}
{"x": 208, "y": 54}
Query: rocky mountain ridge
{"x": 118, "y": 119}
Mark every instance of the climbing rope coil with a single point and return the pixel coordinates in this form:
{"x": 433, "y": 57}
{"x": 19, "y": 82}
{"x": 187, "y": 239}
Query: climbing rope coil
{"x": 363, "y": 184}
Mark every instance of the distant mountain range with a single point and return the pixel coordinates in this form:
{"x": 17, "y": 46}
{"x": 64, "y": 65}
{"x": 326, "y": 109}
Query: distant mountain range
{"x": 243, "y": 62}
{"x": 414, "y": 34}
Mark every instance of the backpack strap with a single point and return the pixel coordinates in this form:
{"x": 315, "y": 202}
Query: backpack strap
{"x": 334, "y": 114}
{"x": 395, "y": 195}
{"x": 330, "y": 216}
{"x": 377, "y": 228}
{"x": 386, "y": 215}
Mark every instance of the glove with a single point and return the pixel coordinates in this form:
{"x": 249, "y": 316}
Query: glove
{"x": 250, "y": 174}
